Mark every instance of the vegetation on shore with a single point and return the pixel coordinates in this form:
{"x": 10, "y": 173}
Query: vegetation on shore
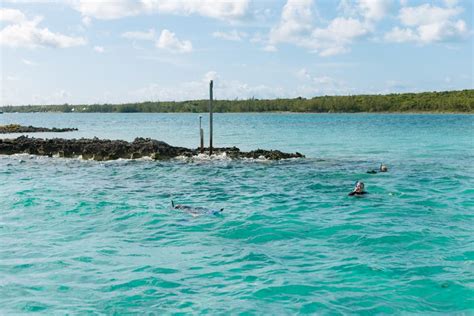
{"x": 447, "y": 101}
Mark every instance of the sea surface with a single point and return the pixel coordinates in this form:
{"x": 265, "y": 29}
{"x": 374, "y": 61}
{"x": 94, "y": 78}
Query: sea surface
{"x": 87, "y": 237}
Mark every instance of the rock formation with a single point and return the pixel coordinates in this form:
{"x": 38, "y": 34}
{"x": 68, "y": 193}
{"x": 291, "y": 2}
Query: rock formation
{"x": 103, "y": 149}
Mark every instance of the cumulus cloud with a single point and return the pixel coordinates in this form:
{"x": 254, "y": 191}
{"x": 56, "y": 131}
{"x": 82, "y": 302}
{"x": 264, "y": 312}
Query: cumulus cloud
{"x": 167, "y": 40}
{"x": 426, "y": 14}
{"x": 114, "y": 9}
{"x": 13, "y": 78}
{"x": 170, "y": 42}
{"x": 28, "y": 62}
{"x": 312, "y": 85}
{"x": 99, "y": 49}
{"x": 27, "y": 33}
{"x": 87, "y": 21}
{"x": 55, "y": 97}
{"x": 295, "y": 23}
{"x": 233, "y": 35}
{"x": 229, "y": 89}
{"x": 137, "y": 35}
{"x": 12, "y": 15}
{"x": 335, "y": 38}
{"x": 426, "y": 24}
{"x": 198, "y": 89}
{"x": 296, "y": 27}
{"x": 368, "y": 10}
{"x": 209, "y": 8}
{"x": 375, "y": 9}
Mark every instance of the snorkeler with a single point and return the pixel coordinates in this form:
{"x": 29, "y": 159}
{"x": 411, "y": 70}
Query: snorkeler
{"x": 195, "y": 211}
{"x": 382, "y": 168}
{"x": 359, "y": 189}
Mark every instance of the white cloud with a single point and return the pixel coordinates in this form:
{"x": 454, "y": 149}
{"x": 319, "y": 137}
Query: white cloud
{"x": 426, "y": 14}
{"x": 114, "y": 9}
{"x": 87, "y": 21}
{"x": 233, "y": 35}
{"x": 368, "y": 10}
{"x": 28, "y": 62}
{"x": 312, "y": 85}
{"x": 400, "y": 35}
{"x": 295, "y": 24}
{"x": 170, "y": 42}
{"x": 375, "y": 9}
{"x": 137, "y": 35}
{"x": 304, "y": 74}
{"x": 229, "y": 89}
{"x": 296, "y": 27}
{"x": 451, "y": 3}
{"x": 55, "y": 97}
{"x": 270, "y": 48}
{"x": 11, "y": 15}
{"x": 199, "y": 89}
{"x": 27, "y": 33}
{"x": 209, "y": 8}
{"x": 426, "y": 24}
{"x": 210, "y": 75}
{"x": 167, "y": 40}
{"x": 99, "y": 49}
{"x": 111, "y": 9}
{"x": 335, "y": 38}
{"x": 13, "y": 78}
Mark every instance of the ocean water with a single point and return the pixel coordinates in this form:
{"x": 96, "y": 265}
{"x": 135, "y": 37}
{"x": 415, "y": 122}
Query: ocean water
{"x": 86, "y": 237}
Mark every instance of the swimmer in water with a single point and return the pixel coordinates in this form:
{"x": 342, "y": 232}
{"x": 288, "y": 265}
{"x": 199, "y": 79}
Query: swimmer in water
{"x": 382, "y": 168}
{"x": 359, "y": 189}
{"x": 195, "y": 211}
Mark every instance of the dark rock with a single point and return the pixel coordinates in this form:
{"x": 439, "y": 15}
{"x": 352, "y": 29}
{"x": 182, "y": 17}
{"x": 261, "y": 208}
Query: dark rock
{"x": 104, "y": 149}
{"x": 15, "y": 128}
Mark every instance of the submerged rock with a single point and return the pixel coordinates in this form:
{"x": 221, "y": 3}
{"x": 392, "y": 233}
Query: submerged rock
{"x": 104, "y": 149}
{"x": 15, "y": 128}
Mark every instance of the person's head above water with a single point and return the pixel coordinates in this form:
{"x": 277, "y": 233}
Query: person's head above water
{"x": 383, "y": 168}
{"x": 359, "y": 187}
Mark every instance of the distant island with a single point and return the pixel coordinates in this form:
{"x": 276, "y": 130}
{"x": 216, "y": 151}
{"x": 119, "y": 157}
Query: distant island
{"x": 447, "y": 101}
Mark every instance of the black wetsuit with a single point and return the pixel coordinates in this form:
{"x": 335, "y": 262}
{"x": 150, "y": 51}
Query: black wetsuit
{"x": 357, "y": 193}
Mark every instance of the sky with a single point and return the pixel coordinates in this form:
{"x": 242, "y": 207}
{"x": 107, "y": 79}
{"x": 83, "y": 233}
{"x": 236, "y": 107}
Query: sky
{"x": 118, "y": 51}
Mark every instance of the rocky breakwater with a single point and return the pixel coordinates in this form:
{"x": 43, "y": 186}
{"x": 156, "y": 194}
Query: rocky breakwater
{"x": 15, "y": 128}
{"x": 103, "y": 149}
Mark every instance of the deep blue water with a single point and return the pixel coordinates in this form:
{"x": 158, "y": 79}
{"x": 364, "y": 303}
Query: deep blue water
{"x": 100, "y": 237}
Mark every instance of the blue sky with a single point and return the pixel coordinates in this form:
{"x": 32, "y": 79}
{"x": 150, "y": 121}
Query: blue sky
{"x": 115, "y": 51}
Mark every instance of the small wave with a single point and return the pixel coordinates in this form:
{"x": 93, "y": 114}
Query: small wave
{"x": 205, "y": 157}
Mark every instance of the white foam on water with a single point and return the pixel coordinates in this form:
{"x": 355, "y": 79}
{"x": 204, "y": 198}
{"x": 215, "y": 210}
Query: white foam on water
{"x": 205, "y": 157}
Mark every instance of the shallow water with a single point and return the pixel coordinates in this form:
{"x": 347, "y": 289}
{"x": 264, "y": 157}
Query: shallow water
{"x": 100, "y": 237}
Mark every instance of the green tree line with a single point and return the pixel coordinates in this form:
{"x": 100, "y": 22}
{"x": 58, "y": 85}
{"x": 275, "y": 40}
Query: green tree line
{"x": 447, "y": 101}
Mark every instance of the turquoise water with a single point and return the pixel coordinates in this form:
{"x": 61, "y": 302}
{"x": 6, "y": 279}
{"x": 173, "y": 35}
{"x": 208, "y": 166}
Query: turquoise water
{"x": 81, "y": 237}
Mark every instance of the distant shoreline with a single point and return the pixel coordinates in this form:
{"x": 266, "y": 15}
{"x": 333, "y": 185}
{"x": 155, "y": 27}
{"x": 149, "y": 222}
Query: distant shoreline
{"x": 446, "y": 102}
{"x": 253, "y": 112}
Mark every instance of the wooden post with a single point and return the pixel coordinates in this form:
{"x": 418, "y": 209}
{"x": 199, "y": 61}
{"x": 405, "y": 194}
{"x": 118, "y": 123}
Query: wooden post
{"x": 201, "y": 134}
{"x": 210, "y": 117}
